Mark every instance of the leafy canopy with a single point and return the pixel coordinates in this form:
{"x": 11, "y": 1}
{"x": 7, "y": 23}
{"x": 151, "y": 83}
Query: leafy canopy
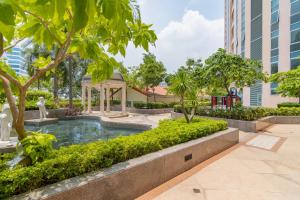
{"x": 289, "y": 83}
{"x": 151, "y": 72}
{"x": 223, "y": 70}
{"x": 93, "y": 28}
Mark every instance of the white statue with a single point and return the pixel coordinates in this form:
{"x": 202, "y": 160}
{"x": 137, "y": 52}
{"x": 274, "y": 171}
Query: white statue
{"x": 42, "y": 108}
{"x": 6, "y": 122}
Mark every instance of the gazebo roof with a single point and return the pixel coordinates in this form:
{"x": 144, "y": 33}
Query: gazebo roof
{"x": 117, "y": 76}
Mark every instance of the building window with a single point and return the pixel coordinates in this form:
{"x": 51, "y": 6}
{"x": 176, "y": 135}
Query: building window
{"x": 295, "y": 33}
{"x": 243, "y": 21}
{"x": 273, "y": 88}
{"x": 274, "y": 40}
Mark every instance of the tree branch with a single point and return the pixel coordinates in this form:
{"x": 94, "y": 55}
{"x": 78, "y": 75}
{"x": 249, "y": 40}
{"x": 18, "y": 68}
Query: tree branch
{"x": 45, "y": 24}
{"x": 1, "y": 45}
{"x": 60, "y": 56}
{"x": 9, "y": 96}
{"x": 10, "y": 78}
{"x": 13, "y": 45}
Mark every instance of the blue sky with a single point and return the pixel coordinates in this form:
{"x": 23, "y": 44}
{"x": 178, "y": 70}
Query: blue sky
{"x": 185, "y": 28}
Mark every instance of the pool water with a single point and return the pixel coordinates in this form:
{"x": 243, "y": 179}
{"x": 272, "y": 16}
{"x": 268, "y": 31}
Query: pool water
{"x": 77, "y": 131}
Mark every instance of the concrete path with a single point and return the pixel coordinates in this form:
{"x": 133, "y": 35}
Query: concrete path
{"x": 263, "y": 166}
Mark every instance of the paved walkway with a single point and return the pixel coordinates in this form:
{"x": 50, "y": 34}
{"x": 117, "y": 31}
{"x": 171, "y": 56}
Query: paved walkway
{"x": 263, "y": 166}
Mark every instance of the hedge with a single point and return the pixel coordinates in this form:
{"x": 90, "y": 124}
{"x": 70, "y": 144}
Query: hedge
{"x": 245, "y": 113}
{"x": 75, "y": 160}
{"x": 153, "y": 105}
{"x": 288, "y": 104}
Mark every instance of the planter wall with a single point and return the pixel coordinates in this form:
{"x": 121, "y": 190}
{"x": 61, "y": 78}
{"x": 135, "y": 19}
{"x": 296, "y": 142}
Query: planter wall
{"x": 128, "y": 180}
{"x": 253, "y": 126}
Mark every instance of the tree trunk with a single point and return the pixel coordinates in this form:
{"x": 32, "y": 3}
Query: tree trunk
{"x": 184, "y": 111}
{"x": 20, "y": 121}
{"x": 70, "y": 83}
{"x": 55, "y": 86}
{"x": 18, "y": 115}
{"x": 154, "y": 98}
{"x": 39, "y": 84}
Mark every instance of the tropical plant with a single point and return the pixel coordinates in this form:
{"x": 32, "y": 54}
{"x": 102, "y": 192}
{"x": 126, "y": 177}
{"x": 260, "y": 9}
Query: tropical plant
{"x": 289, "y": 83}
{"x": 223, "y": 70}
{"x": 93, "y": 29}
{"x": 183, "y": 86}
{"x": 151, "y": 72}
{"x": 37, "y": 146}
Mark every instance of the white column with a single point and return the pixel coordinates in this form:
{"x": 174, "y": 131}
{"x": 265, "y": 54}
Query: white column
{"x": 124, "y": 99}
{"x": 83, "y": 97}
{"x": 102, "y": 99}
{"x": 107, "y": 99}
{"x": 89, "y": 99}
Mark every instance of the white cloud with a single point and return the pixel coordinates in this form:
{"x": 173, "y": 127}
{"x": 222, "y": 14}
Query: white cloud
{"x": 193, "y": 36}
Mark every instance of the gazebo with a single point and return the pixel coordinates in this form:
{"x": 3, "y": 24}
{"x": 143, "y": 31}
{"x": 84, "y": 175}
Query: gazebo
{"x": 116, "y": 82}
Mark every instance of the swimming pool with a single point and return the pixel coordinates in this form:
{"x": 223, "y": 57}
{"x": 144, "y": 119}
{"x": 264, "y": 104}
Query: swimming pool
{"x": 77, "y": 131}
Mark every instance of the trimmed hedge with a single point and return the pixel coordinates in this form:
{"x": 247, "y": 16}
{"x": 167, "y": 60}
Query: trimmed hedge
{"x": 245, "y": 113}
{"x": 288, "y": 104}
{"x": 154, "y": 105}
{"x": 75, "y": 160}
{"x": 33, "y": 95}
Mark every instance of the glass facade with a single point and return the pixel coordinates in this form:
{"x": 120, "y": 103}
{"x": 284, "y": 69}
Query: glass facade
{"x": 243, "y": 27}
{"x": 256, "y": 48}
{"x": 295, "y": 34}
{"x": 16, "y": 60}
{"x": 275, "y": 17}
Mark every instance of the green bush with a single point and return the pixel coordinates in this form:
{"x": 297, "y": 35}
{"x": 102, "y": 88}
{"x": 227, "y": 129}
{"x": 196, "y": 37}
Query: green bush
{"x": 288, "y": 104}
{"x": 245, "y": 113}
{"x": 33, "y": 95}
{"x": 37, "y": 146}
{"x": 49, "y": 104}
{"x": 65, "y": 103}
{"x": 75, "y": 160}
{"x": 153, "y": 105}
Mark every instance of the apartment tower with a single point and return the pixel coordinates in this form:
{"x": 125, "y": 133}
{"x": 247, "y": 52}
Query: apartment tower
{"x": 265, "y": 30}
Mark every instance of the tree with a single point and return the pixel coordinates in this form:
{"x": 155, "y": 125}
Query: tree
{"x": 93, "y": 29}
{"x": 151, "y": 72}
{"x": 289, "y": 83}
{"x": 223, "y": 70}
{"x": 183, "y": 86}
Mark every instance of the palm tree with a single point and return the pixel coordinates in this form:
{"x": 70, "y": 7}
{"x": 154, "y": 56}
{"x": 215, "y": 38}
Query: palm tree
{"x": 183, "y": 86}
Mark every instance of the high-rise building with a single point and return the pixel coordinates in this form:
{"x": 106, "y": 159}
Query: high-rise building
{"x": 265, "y": 30}
{"x": 16, "y": 60}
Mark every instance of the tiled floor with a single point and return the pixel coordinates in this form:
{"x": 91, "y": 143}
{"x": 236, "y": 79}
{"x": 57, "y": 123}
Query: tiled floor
{"x": 243, "y": 172}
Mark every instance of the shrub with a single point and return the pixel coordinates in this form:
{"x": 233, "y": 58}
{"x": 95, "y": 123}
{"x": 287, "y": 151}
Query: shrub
{"x": 153, "y": 105}
{"x": 49, "y": 104}
{"x": 33, "y": 95}
{"x": 245, "y": 113}
{"x": 74, "y": 160}
{"x": 288, "y": 104}
{"x": 65, "y": 103}
{"x": 37, "y": 146}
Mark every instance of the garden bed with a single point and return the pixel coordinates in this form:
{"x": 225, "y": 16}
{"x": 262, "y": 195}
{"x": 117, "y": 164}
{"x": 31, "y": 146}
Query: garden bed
{"x": 255, "y": 125}
{"x": 132, "y": 178}
{"x": 71, "y": 161}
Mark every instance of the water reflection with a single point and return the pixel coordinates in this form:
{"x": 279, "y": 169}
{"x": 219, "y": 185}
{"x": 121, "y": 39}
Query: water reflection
{"x": 78, "y": 131}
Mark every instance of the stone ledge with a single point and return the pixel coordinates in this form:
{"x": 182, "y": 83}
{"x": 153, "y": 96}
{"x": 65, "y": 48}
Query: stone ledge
{"x": 41, "y": 122}
{"x": 135, "y": 177}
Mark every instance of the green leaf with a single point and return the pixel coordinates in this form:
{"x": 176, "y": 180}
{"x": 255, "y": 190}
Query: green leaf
{"x": 7, "y": 15}
{"x": 80, "y": 15}
{"x": 7, "y": 31}
{"x": 60, "y": 8}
